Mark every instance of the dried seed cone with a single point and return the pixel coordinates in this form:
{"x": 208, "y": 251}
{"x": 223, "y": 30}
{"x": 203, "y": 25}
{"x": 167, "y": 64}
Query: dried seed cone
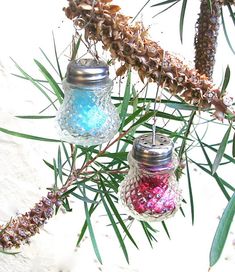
{"x": 102, "y": 21}
{"x": 231, "y": 2}
{"x": 207, "y": 30}
{"x": 20, "y": 229}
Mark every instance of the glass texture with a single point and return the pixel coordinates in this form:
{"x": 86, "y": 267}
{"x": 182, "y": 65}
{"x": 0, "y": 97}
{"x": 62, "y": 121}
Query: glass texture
{"x": 150, "y": 193}
{"x": 87, "y": 116}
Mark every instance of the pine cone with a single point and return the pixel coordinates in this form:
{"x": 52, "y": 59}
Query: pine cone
{"x": 131, "y": 45}
{"x": 20, "y": 229}
{"x": 206, "y": 36}
{"x": 231, "y": 2}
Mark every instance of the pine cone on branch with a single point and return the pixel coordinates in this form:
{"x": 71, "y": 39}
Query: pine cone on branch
{"x": 207, "y": 30}
{"x": 206, "y": 36}
{"x": 225, "y": 2}
{"x": 130, "y": 44}
{"x": 20, "y": 229}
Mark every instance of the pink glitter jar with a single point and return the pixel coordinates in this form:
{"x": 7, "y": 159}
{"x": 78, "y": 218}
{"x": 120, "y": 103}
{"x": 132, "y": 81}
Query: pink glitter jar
{"x": 150, "y": 191}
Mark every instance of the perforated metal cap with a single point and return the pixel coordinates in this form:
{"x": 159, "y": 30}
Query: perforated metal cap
{"x": 146, "y": 152}
{"x": 86, "y": 71}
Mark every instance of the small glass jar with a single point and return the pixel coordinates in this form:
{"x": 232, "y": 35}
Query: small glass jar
{"x": 150, "y": 192}
{"x": 87, "y": 116}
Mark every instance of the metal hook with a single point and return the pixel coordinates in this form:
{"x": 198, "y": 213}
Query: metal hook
{"x": 155, "y": 102}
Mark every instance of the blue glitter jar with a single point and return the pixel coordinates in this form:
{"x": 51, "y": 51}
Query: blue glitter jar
{"x": 87, "y": 116}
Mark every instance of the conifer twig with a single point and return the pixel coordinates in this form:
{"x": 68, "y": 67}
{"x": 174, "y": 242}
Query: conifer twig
{"x": 21, "y": 228}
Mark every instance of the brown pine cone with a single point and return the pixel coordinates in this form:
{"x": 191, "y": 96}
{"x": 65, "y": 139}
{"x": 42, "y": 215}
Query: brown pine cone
{"x": 20, "y": 229}
{"x": 131, "y": 45}
{"x": 206, "y": 36}
{"x": 231, "y": 2}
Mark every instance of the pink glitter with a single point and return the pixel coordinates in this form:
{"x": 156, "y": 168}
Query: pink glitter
{"x": 153, "y": 195}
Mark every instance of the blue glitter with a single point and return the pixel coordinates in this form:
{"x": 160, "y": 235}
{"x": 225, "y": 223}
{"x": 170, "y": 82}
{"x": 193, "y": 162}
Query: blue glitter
{"x": 83, "y": 114}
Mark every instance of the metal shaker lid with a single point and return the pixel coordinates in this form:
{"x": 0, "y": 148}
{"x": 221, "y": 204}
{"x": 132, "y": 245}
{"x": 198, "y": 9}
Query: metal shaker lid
{"x": 86, "y": 71}
{"x": 150, "y": 154}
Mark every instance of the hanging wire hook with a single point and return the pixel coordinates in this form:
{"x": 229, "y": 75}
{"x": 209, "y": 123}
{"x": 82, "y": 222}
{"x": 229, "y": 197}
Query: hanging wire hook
{"x": 155, "y": 102}
{"x": 77, "y": 20}
{"x": 86, "y": 42}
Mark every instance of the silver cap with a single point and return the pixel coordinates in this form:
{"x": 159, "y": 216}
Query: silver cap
{"x": 150, "y": 154}
{"x": 86, "y": 71}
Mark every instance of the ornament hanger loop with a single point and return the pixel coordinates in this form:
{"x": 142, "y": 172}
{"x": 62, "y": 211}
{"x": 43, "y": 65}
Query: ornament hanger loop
{"x": 81, "y": 22}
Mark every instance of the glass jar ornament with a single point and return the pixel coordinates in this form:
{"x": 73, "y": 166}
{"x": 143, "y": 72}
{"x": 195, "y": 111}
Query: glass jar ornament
{"x": 150, "y": 192}
{"x": 87, "y": 116}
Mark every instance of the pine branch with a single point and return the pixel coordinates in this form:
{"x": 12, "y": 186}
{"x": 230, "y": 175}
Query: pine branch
{"x": 102, "y": 22}
{"x": 77, "y": 172}
{"x": 20, "y": 229}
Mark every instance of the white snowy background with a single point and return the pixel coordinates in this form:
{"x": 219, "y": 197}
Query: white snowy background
{"x": 24, "y": 27}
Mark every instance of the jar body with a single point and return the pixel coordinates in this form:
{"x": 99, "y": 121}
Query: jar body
{"x": 150, "y": 193}
{"x": 87, "y": 115}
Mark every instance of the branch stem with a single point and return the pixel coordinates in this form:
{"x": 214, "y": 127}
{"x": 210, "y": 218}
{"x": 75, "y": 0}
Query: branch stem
{"x": 75, "y": 174}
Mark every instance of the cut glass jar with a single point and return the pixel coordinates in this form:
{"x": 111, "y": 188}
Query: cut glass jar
{"x": 150, "y": 192}
{"x": 87, "y": 116}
